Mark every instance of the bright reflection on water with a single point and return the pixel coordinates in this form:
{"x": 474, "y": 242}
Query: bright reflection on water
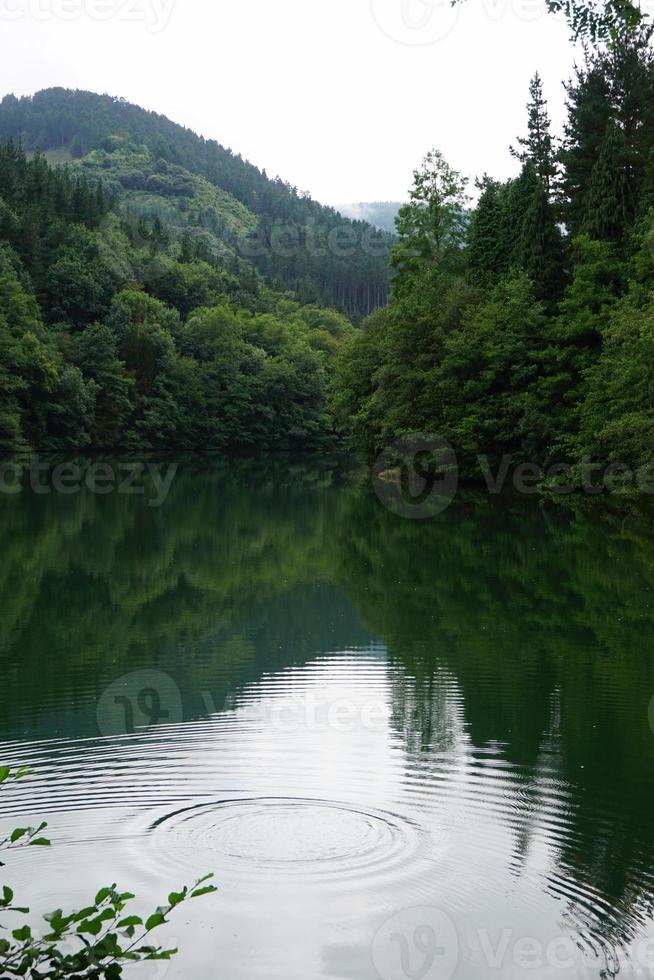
{"x": 407, "y": 749}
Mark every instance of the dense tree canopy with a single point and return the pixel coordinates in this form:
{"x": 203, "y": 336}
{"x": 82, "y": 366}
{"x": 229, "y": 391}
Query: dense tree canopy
{"x": 530, "y": 337}
{"x": 114, "y": 340}
{"x": 518, "y": 327}
{"x": 207, "y": 191}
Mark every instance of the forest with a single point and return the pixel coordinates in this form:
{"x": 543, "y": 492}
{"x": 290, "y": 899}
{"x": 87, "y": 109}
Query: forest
{"x": 114, "y": 336}
{"x": 157, "y": 291}
{"x": 525, "y": 326}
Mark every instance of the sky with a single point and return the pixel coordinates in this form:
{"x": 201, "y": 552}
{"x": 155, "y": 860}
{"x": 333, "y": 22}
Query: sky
{"x": 342, "y": 98}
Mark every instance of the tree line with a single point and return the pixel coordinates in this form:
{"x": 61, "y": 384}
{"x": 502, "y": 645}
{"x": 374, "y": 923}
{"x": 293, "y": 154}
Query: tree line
{"x": 114, "y": 336}
{"x": 522, "y": 326}
{"x": 525, "y": 327}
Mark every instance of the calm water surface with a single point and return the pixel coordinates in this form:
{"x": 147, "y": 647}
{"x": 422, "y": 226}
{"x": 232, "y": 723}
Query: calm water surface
{"x": 407, "y": 749}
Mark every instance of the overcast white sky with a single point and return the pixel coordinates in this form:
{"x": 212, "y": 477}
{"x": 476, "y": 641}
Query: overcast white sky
{"x": 341, "y": 97}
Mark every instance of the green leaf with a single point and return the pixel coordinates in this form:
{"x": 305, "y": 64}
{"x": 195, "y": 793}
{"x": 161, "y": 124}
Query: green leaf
{"x": 162, "y": 954}
{"x": 85, "y": 913}
{"x": 4, "y": 773}
{"x": 207, "y": 890}
{"x": 175, "y": 898}
{"x": 156, "y": 919}
{"x": 92, "y": 926}
{"x": 17, "y": 834}
{"x": 7, "y": 894}
{"x": 40, "y": 842}
{"x": 23, "y": 934}
{"x": 131, "y": 920}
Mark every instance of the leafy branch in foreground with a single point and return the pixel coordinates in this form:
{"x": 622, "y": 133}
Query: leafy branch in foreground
{"x": 94, "y": 942}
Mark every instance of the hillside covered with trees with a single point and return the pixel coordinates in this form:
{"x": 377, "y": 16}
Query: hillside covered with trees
{"x": 132, "y": 315}
{"x": 115, "y": 335}
{"x": 201, "y": 189}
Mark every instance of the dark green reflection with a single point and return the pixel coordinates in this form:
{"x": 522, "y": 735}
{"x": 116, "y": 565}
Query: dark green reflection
{"x": 542, "y": 616}
{"x": 545, "y": 617}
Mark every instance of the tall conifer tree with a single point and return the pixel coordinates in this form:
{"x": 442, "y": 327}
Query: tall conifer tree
{"x": 538, "y": 145}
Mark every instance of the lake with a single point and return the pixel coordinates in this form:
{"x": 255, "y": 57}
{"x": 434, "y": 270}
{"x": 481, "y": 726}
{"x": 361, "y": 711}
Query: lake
{"x": 407, "y": 748}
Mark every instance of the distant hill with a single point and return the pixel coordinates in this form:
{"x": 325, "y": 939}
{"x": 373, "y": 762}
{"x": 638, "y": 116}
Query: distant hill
{"x": 381, "y": 214}
{"x": 198, "y": 188}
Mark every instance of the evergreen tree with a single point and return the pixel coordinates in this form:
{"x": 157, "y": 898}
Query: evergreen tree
{"x": 615, "y": 87}
{"x": 538, "y": 146}
{"x": 539, "y": 248}
{"x": 609, "y": 207}
{"x": 589, "y": 112}
{"x": 489, "y": 248}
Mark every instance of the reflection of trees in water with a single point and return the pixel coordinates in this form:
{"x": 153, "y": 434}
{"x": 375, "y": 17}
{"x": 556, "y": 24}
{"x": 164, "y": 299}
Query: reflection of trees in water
{"x": 226, "y": 581}
{"x": 543, "y": 616}
{"x": 526, "y": 630}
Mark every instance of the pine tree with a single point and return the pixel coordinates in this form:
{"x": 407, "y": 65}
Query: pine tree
{"x": 615, "y": 86}
{"x": 538, "y": 246}
{"x": 488, "y": 247}
{"x": 538, "y": 145}
{"x": 609, "y": 206}
{"x": 589, "y": 112}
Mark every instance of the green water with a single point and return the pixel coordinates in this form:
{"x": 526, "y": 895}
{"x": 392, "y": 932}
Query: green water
{"x": 406, "y": 748}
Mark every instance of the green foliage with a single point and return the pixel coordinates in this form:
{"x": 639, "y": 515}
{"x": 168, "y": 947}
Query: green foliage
{"x": 198, "y": 188}
{"x": 536, "y": 346}
{"x": 97, "y": 941}
{"x": 608, "y": 194}
{"x": 489, "y": 243}
{"x": 487, "y": 374}
{"x": 617, "y": 417}
{"x": 610, "y": 116}
{"x": 114, "y": 335}
{"x": 538, "y": 146}
{"x": 144, "y": 302}
{"x": 538, "y": 247}
{"x": 597, "y": 281}
{"x": 431, "y": 228}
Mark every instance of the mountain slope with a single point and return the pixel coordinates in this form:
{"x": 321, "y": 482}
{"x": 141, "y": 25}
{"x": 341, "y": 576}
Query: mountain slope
{"x": 116, "y": 336}
{"x": 164, "y": 170}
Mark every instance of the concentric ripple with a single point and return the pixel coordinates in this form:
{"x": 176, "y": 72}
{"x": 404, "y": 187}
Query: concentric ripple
{"x": 292, "y": 836}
